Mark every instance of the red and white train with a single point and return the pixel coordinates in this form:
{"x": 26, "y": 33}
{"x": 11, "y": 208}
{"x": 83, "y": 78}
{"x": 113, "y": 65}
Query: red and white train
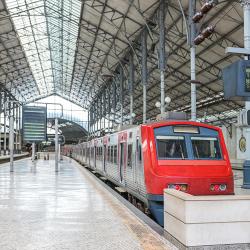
{"x": 146, "y": 159}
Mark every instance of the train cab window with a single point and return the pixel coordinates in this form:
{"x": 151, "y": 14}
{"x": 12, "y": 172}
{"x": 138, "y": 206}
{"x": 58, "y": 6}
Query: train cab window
{"x": 130, "y": 146}
{"x": 206, "y": 148}
{"x": 115, "y": 154}
{"x": 171, "y": 147}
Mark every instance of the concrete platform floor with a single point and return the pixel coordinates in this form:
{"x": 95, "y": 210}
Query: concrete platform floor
{"x": 69, "y": 210}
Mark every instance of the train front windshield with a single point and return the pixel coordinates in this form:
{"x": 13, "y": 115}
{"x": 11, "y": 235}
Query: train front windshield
{"x": 175, "y": 142}
{"x": 206, "y": 148}
{"x": 171, "y": 147}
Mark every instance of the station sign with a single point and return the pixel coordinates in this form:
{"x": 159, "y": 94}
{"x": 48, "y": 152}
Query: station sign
{"x": 51, "y": 138}
{"x": 34, "y": 123}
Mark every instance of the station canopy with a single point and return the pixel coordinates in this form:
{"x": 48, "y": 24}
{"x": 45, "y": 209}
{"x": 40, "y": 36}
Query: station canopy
{"x": 69, "y": 47}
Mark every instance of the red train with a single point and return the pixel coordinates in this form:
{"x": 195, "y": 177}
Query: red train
{"x": 144, "y": 160}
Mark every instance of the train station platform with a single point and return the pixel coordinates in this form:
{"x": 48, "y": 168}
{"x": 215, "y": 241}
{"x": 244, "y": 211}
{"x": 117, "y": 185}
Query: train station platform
{"x": 6, "y": 158}
{"x": 41, "y": 209}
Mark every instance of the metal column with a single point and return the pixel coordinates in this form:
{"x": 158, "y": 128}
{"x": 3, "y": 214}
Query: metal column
{"x": 59, "y": 152}
{"x": 114, "y": 102}
{"x": 97, "y": 116}
{"x": 192, "y": 10}
{"x": 162, "y": 52}
{"x": 16, "y": 139}
{"x": 19, "y": 131}
{"x": 56, "y": 145}
{"x": 121, "y": 93}
{"x": 11, "y": 136}
{"x": 4, "y": 124}
{"x": 88, "y": 122}
{"x": 1, "y": 101}
{"x": 144, "y": 72}
{"x": 33, "y": 151}
{"x": 104, "y": 109}
{"x": 109, "y": 107}
{"x": 131, "y": 85}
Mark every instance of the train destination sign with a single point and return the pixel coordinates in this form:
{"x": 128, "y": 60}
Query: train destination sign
{"x": 34, "y": 123}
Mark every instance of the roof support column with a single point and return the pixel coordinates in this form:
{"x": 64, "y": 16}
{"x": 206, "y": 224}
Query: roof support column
{"x": 17, "y": 128}
{"x": 114, "y": 102}
{"x": 192, "y": 10}
{"x": 56, "y": 145}
{"x": 121, "y": 78}
{"x": 4, "y": 124}
{"x": 19, "y": 131}
{"x": 109, "y": 106}
{"x": 88, "y": 122}
{"x": 11, "y": 135}
{"x": 144, "y": 72}
{"x": 1, "y": 105}
{"x": 97, "y": 115}
{"x": 131, "y": 85}
{"x": 162, "y": 52}
{"x": 104, "y": 109}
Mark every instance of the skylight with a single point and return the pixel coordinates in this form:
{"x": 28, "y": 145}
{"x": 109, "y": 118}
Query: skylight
{"x": 48, "y": 33}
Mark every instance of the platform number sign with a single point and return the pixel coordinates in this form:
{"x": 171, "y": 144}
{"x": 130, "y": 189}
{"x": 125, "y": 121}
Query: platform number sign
{"x": 34, "y": 123}
{"x": 247, "y": 82}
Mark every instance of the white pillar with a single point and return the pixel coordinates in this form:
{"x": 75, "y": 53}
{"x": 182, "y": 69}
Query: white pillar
{"x": 193, "y": 85}
{"x": 11, "y": 141}
{"x": 59, "y": 152}
{"x": 56, "y": 145}
{"x": 33, "y": 151}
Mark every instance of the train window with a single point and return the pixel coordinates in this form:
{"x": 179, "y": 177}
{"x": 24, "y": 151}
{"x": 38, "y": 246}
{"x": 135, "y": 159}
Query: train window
{"x": 115, "y": 154}
{"x": 206, "y": 148}
{"x": 108, "y": 153}
{"x": 171, "y": 147}
{"x": 112, "y": 154}
{"x": 138, "y": 150}
{"x": 130, "y": 147}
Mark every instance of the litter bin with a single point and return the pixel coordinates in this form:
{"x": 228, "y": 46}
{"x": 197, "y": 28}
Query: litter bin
{"x": 246, "y": 175}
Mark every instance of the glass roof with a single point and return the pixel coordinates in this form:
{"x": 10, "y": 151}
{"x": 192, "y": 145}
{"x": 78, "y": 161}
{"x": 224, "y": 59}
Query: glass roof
{"x": 48, "y": 31}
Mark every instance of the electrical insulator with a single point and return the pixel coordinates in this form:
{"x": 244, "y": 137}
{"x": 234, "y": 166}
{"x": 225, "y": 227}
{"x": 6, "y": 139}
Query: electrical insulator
{"x": 197, "y": 17}
{"x": 204, "y": 34}
{"x": 205, "y": 8}
{"x": 208, "y": 31}
{"x": 199, "y": 39}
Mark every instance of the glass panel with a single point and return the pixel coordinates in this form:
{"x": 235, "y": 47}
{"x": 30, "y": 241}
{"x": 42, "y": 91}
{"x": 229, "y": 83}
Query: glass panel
{"x": 115, "y": 154}
{"x": 206, "y": 148}
{"x": 171, "y": 147}
{"x": 130, "y": 146}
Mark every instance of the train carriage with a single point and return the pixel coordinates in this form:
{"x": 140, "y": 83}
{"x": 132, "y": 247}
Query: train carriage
{"x": 146, "y": 159}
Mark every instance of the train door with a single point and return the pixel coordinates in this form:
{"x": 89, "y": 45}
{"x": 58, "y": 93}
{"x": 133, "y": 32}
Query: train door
{"x": 121, "y": 161}
{"x": 104, "y": 157}
{"x": 139, "y": 172}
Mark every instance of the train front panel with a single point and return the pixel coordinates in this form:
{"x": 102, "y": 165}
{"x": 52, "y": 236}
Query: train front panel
{"x": 187, "y": 156}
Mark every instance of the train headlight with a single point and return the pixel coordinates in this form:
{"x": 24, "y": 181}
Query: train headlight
{"x": 179, "y": 187}
{"x": 218, "y": 187}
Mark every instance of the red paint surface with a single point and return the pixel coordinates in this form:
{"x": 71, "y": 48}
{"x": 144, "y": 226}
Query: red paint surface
{"x": 197, "y": 174}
